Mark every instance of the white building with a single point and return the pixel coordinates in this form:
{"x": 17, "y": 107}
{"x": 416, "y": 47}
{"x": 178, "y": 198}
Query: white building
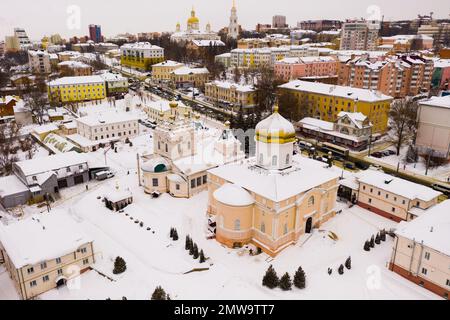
{"x": 108, "y": 127}
{"x": 360, "y": 35}
{"x": 39, "y": 62}
{"x": 22, "y": 36}
{"x": 233, "y": 28}
{"x": 193, "y": 31}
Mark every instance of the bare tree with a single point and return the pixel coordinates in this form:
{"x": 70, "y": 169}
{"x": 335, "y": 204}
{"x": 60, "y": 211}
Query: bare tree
{"x": 36, "y": 101}
{"x": 266, "y": 88}
{"x": 9, "y": 133}
{"x": 403, "y": 122}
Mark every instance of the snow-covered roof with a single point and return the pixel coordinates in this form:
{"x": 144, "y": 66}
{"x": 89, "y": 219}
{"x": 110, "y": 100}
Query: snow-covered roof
{"x": 46, "y": 128}
{"x": 58, "y": 144}
{"x": 140, "y": 46}
{"x": 207, "y": 43}
{"x": 233, "y": 195}
{"x": 151, "y": 165}
{"x": 313, "y": 123}
{"x": 116, "y": 195}
{"x": 107, "y": 118}
{"x": 73, "y": 64}
{"x": 274, "y": 124}
{"x": 401, "y": 187}
{"x": 162, "y": 105}
{"x": 76, "y": 80}
{"x": 37, "y": 53}
{"x": 442, "y": 63}
{"x": 11, "y": 185}
{"x": 168, "y": 63}
{"x": 338, "y": 91}
{"x": 357, "y": 118}
{"x": 108, "y": 76}
{"x": 189, "y": 70}
{"x": 50, "y": 163}
{"x": 230, "y": 85}
{"x": 441, "y": 102}
{"x": 432, "y": 228}
{"x": 305, "y": 175}
{"x": 41, "y": 238}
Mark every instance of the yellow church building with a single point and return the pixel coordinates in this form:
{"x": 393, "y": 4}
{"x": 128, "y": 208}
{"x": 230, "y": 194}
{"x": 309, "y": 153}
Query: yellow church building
{"x": 272, "y": 200}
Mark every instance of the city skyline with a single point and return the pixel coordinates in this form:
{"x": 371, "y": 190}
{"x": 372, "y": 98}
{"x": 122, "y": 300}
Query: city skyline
{"x": 59, "y": 15}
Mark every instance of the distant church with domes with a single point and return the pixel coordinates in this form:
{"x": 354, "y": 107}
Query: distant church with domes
{"x": 274, "y": 199}
{"x": 193, "y": 31}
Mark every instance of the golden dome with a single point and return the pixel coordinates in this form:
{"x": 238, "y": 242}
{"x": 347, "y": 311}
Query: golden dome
{"x": 173, "y": 104}
{"x": 193, "y": 19}
{"x": 227, "y": 124}
{"x": 275, "y": 129}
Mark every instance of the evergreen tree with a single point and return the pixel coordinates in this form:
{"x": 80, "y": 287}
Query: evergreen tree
{"x": 202, "y": 257}
{"x": 378, "y": 239}
{"x": 120, "y": 266}
{"x": 300, "y": 278}
{"x": 270, "y": 279}
{"x": 171, "y": 232}
{"x": 372, "y": 242}
{"x": 175, "y": 235}
{"x": 330, "y": 271}
{"x": 341, "y": 269}
{"x": 367, "y": 246}
{"x": 196, "y": 254}
{"x": 192, "y": 248}
{"x": 188, "y": 243}
{"x": 286, "y": 282}
{"x": 159, "y": 294}
{"x": 383, "y": 235}
{"x": 348, "y": 263}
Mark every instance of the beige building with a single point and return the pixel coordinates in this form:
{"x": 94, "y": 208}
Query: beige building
{"x": 272, "y": 200}
{"x": 180, "y": 161}
{"x": 394, "y": 198}
{"x": 44, "y": 252}
{"x": 230, "y": 94}
{"x": 189, "y": 77}
{"x": 74, "y": 69}
{"x": 161, "y": 71}
{"x": 360, "y": 35}
{"x": 434, "y": 127}
{"x": 12, "y": 44}
{"x": 39, "y": 62}
{"x": 421, "y": 251}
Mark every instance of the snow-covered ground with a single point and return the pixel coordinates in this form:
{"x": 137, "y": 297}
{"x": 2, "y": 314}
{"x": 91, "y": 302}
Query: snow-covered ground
{"x": 154, "y": 259}
{"x": 441, "y": 173}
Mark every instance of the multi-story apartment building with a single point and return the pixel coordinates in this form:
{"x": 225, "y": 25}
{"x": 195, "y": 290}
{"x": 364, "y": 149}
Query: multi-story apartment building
{"x": 316, "y": 66}
{"x": 2, "y": 48}
{"x": 39, "y": 62}
{"x": 74, "y": 69}
{"x": 108, "y": 127}
{"x": 360, "y": 35}
{"x": 421, "y": 251}
{"x": 76, "y": 89}
{"x": 44, "y": 252}
{"x": 433, "y": 132}
{"x": 12, "y": 44}
{"x": 441, "y": 74}
{"x": 22, "y": 37}
{"x": 319, "y": 25}
{"x": 394, "y": 198}
{"x": 251, "y": 43}
{"x": 230, "y": 94}
{"x": 141, "y": 55}
{"x": 325, "y": 102}
{"x": 279, "y": 21}
{"x": 189, "y": 77}
{"x": 406, "y": 43}
{"x": 398, "y": 76}
{"x": 95, "y": 33}
{"x": 161, "y": 71}
{"x": 247, "y": 58}
{"x": 437, "y": 31}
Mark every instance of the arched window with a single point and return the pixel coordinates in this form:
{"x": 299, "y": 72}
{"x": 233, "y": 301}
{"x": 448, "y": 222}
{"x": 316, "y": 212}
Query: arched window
{"x": 288, "y": 158}
{"x": 237, "y": 225}
{"x": 263, "y": 227}
{"x": 274, "y": 160}
{"x": 311, "y": 201}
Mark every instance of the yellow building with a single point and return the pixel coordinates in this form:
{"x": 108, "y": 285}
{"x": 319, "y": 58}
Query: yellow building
{"x": 325, "y": 102}
{"x": 161, "y": 71}
{"x": 44, "y": 252}
{"x": 141, "y": 55}
{"x": 189, "y": 77}
{"x": 77, "y": 89}
{"x": 272, "y": 200}
{"x": 227, "y": 93}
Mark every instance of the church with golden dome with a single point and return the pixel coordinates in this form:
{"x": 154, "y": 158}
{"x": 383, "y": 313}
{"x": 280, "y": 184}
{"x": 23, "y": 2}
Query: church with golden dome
{"x": 275, "y": 199}
{"x": 192, "y": 31}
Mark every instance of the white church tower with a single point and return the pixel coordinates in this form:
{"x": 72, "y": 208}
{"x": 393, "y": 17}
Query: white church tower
{"x": 275, "y": 138}
{"x": 233, "y": 29}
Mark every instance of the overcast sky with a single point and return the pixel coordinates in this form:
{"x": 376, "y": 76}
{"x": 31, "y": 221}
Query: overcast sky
{"x": 45, "y": 17}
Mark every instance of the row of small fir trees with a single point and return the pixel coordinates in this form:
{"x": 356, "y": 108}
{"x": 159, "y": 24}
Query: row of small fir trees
{"x": 193, "y": 250}
{"x": 272, "y": 281}
{"x": 370, "y": 244}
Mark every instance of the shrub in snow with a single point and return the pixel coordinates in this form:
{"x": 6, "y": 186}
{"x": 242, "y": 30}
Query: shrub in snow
{"x": 175, "y": 235}
{"x": 191, "y": 249}
{"x": 202, "y": 257}
{"x": 196, "y": 253}
{"x": 270, "y": 279}
{"x": 367, "y": 246}
{"x": 383, "y": 235}
{"x": 188, "y": 243}
{"x": 285, "y": 282}
{"x": 348, "y": 263}
{"x": 300, "y": 278}
{"x": 141, "y": 224}
{"x": 171, "y": 232}
{"x": 372, "y": 242}
{"x": 378, "y": 239}
{"x": 330, "y": 271}
{"x": 159, "y": 294}
{"x": 120, "y": 266}
{"x": 341, "y": 269}
{"x": 124, "y": 298}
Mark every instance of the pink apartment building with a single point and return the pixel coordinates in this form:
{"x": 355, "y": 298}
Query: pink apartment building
{"x": 293, "y": 68}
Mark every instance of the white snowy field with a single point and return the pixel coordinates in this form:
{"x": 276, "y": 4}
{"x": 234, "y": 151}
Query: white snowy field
{"x": 154, "y": 259}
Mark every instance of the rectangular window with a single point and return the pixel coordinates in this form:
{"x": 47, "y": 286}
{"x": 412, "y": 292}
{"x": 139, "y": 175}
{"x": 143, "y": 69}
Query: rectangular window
{"x": 58, "y": 260}
{"x": 155, "y": 182}
{"x": 86, "y": 261}
{"x": 448, "y": 282}
{"x": 60, "y": 272}
{"x": 370, "y": 200}
{"x": 199, "y": 181}
{"x": 424, "y": 271}
{"x": 45, "y": 278}
{"x": 83, "y": 250}
{"x": 193, "y": 183}
{"x": 427, "y": 255}
{"x": 43, "y": 265}
{"x": 205, "y": 179}
{"x": 30, "y": 270}
{"x": 393, "y": 209}
{"x": 33, "y": 283}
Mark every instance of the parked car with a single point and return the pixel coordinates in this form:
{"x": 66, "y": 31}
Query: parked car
{"x": 392, "y": 152}
{"x": 377, "y": 155}
{"x": 362, "y": 165}
{"x": 350, "y": 165}
{"x": 386, "y": 153}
